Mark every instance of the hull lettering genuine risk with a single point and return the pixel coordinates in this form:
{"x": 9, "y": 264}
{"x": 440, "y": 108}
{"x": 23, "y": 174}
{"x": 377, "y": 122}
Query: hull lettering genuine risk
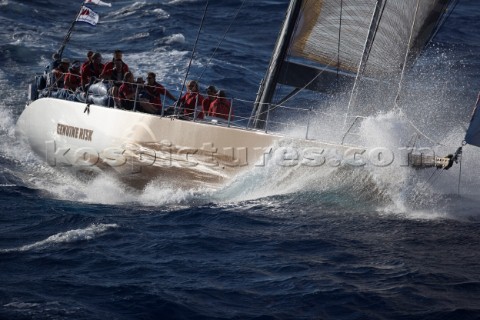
{"x": 74, "y": 132}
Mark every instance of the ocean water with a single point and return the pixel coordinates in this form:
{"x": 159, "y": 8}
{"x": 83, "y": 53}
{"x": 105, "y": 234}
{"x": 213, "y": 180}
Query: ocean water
{"x": 276, "y": 243}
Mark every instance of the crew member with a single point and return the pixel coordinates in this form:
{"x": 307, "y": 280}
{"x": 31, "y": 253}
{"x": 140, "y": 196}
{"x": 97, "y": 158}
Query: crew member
{"x": 92, "y": 70}
{"x": 72, "y": 78}
{"x": 191, "y": 99}
{"x": 220, "y": 107}
{"x": 152, "y": 92}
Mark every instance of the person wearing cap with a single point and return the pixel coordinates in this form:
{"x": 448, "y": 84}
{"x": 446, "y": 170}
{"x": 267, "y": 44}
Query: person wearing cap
{"x": 92, "y": 70}
{"x": 191, "y": 99}
{"x": 211, "y": 95}
{"x": 72, "y": 78}
{"x": 60, "y": 72}
{"x": 220, "y": 107}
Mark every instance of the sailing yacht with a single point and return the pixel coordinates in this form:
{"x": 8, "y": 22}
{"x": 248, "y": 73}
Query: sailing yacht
{"x": 323, "y": 46}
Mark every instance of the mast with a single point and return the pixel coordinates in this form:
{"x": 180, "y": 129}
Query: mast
{"x": 269, "y": 83}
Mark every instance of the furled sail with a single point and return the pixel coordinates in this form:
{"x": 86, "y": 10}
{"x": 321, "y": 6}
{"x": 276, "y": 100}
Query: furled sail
{"x": 333, "y": 32}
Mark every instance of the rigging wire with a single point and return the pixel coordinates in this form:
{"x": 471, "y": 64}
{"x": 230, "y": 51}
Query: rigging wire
{"x": 296, "y": 92}
{"x": 420, "y": 132}
{"x": 459, "y": 176}
{"x": 371, "y": 35}
{"x": 457, "y": 158}
{"x": 339, "y": 37}
{"x": 194, "y": 48}
{"x": 407, "y": 53}
{"x": 223, "y": 38}
{"x": 445, "y": 18}
{"x": 402, "y": 75}
{"x": 434, "y": 175}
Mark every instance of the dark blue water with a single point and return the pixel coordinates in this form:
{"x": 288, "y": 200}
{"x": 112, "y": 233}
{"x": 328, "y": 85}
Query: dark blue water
{"x": 277, "y": 243}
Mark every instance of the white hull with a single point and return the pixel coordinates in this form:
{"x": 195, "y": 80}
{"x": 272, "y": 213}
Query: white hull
{"x": 138, "y": 146}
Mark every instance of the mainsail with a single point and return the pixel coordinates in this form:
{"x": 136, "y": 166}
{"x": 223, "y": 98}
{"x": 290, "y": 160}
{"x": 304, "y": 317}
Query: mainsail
{"x": 333, "y": 36}
{"x": 333, "y": 32}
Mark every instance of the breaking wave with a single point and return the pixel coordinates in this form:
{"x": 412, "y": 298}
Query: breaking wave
{"x": 89, "y": 233}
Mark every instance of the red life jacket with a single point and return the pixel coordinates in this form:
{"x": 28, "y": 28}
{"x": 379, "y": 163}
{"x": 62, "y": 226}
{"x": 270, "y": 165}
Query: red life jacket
{"x": 190, "y": 100}
{"x": 72, "y": 81}
{"x": 154, "y": 93}
{"x": 220, "y": 108}
{"x": 91, "y": 70}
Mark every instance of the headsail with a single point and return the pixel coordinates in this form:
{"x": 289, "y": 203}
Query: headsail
{"x": 331, "y": 35}
{"x": 473, "y": 132}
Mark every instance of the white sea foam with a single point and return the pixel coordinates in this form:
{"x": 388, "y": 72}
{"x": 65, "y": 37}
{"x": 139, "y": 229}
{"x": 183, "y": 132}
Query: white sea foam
{"x": 127, "y": 11}
{"x": 162, "y": 14}
{"x": 102, "y": 189}
{"x": 137, "y": 36}
{"x": 88, "y": 233}
{"x": 418, "y": 194}
{"x": 174, "y": 38}
{"x": 182, "y": 1}
{"x": 21, "y": 305}
{"x": 160, "y": 193}
{"x": 7, "y": 125}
